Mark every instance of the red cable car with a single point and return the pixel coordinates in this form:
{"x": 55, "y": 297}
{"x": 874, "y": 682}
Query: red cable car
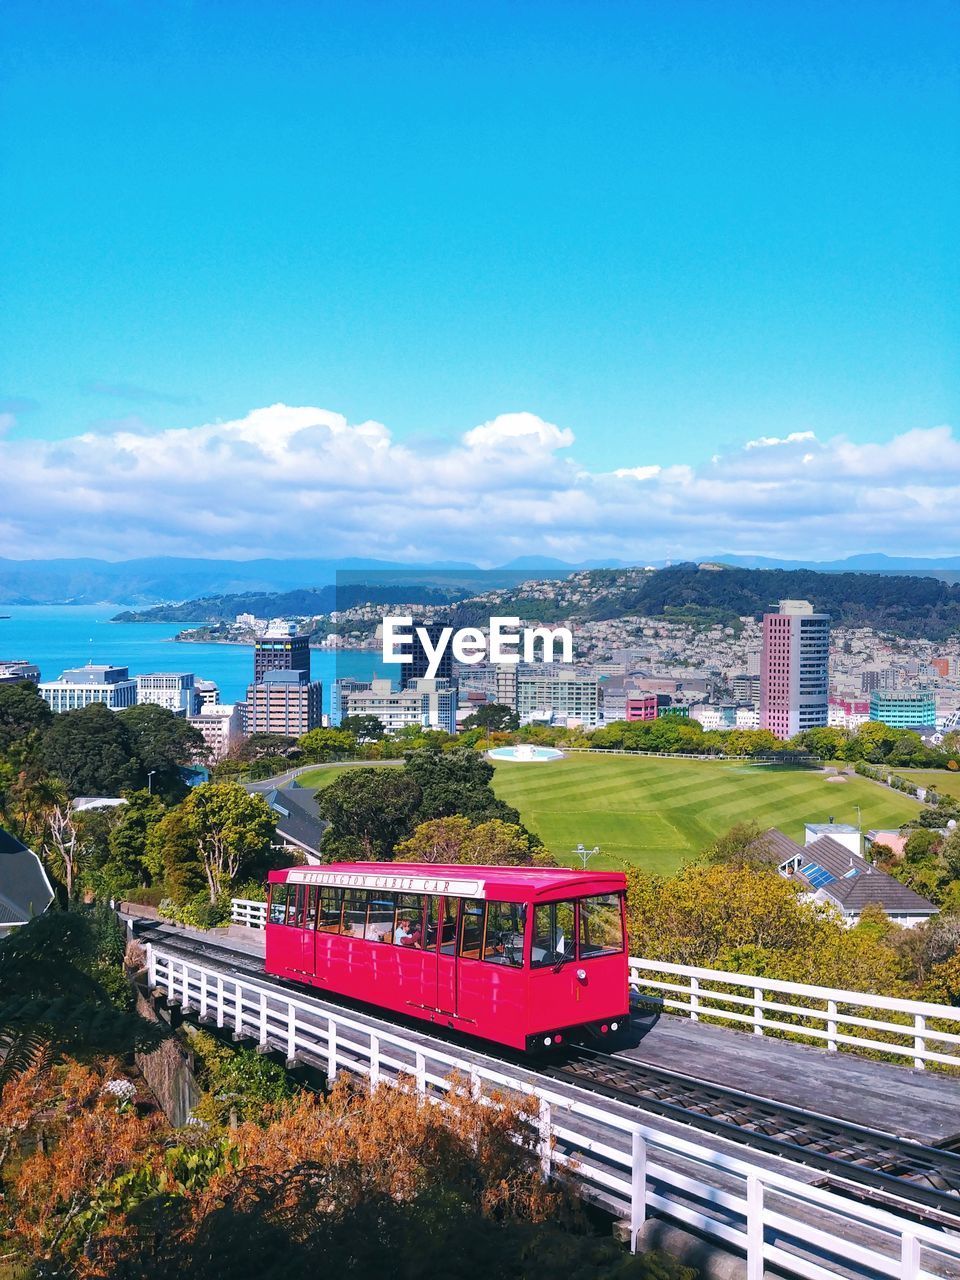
{"x": 527, "y": 957}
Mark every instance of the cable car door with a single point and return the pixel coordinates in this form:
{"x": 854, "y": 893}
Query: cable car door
{"x": 442, "y": 923}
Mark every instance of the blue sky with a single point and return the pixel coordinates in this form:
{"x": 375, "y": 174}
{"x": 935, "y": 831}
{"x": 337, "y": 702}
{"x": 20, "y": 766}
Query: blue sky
{"x": 669, "y": 229}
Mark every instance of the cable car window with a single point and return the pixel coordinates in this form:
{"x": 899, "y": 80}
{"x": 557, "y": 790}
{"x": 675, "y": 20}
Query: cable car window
{"x": 310, "y": 920}
{"x": 331, "y": 906}
{"x": 433, "y": 918}
{"x": 601, "y": 926}
{"x": 503, "y": 943}
{"x": 553, "y": 937}
{"x": 448, "y": 926}
{"x": 278, "y": 903}
{"x": 471, "y": 928}
{"x": 409, "y": 930}
{"x": 381, "y": 916}
{"x": 295, "y": 905}
{"x": 354, "y": 912}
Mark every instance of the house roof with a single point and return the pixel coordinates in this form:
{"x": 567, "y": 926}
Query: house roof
{"x": 25, "y": 890}
{"x": 782, "y": 846}
{"x": 831, "y": 871}
{"x": 298, "y": 817}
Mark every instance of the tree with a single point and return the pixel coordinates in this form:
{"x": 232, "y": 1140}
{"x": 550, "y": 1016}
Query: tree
{"x": 127, "y": 863}
{"x": 369, "y": 811}
{"x": 232, "y": 828}
{"x": 23, "y": 714}
{"x": 364, "y": 728}
{"x": 92, "y": 751}
{"x": 62, "y": 849}
{"x": 457, "y": 782}
{"x": 744, "y": 845}
{"x": 456, "y": 839}
{"x": 163, "y": 743}
{"x": 327, "y": 744}
{"x": 493, "y": 717}
{"x": 172, "y": 854}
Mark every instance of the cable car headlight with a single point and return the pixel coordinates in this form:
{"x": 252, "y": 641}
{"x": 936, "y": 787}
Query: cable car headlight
{"x": 582, "y": 975}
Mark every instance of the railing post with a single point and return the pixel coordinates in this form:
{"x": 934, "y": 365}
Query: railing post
{"x": 638, "y": 1186}
{"x": 221, "y": 1000}
{"x": 151, "y": 967}
{"x": 694, "y": 999}
{"x": 374, "y": 1061}
{"x": 832, "y": 1025}
{"x": 203, "y": 994}
{"x": 758, "y": 1011}
{"x": 909, "y": 1257}
{"x": 545, "y": 1138}
{"x": 238, "y": 1011}
{"x": 476, "y": 1085}
{"x": 331, "y": 1050}
{"x": 919, "y": 1043}
{"x": 421, "y": 1074}
{"x": 754, "y": 1228}
{"x": 291, "y": 1033}
{"x": 263, "y": 1019}
{"x": 169, "y": 981}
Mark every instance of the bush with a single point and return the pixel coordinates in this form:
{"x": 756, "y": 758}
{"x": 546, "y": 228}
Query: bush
{"x": 146, "y": 897}
{"x": 198, "y": 912}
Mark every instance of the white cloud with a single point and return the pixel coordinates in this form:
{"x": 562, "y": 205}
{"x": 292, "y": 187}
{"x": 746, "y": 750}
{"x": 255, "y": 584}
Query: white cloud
{"x": 302, "y": 480}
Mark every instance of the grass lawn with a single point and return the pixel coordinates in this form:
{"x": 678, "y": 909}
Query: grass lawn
{"x": 943, "y": 781}
{"x": 322, "y": 776}
{"x": 660, "y": 812}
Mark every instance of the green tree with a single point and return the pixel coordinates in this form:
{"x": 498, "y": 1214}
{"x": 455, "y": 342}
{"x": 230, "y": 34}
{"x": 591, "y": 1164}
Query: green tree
{"x": 163, "y": 744}
{"x": 456, "y": 839}
{"x": 327, "y": 744}
{"x": 744, "y": 845}
{"x": 172, "y": 854}
{"x": 232, "y": 828}
{"x": 494, "y": 717}
{"x": 364, "y": 728}
{"x": 127, "y": 863}
{"x": 457, "y": 782}
{"x": 92, "y": 751}
{"x": 23, "y": 714}
{"x": 369, "y": 811}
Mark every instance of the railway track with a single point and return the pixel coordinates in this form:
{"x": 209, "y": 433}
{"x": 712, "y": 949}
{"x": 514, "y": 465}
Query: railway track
{"x": 857, "y": 1161}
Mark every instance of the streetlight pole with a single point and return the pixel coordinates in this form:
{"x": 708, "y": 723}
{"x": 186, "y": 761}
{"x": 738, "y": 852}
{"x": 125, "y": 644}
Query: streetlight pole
{"x": 585, "y": 854}
{"x": 150, "y": 782}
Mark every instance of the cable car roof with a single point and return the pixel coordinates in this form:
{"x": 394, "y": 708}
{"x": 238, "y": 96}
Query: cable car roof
{"x": 455, "y": 879}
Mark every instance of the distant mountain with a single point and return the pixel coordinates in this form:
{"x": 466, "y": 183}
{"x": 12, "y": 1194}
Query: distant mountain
{"x": 161, "y": 579}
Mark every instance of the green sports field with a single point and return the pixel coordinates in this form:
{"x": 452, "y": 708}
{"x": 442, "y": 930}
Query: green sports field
{"x": 943, "y": 781}
{"x": 658, "y": 812}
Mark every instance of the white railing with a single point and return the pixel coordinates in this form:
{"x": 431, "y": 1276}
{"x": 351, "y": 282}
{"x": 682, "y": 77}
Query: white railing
{"x": 249, "y": 912}
{"x": 773, "y": 1217}
{"x": 826, "y": 1014}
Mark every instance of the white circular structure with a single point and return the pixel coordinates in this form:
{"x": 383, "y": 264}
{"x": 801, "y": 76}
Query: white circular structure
{"x": 525, "y": 753}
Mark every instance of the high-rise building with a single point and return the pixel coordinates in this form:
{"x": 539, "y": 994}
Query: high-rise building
{"x": 206, "y": 692}
{"x": 416, "y": 669}
{"x": 905, "y": 709}
{"x": 171, "y": 689}
{"x": 80, "y": 686}
{"x": 285, "y": 701}
{"x": 220, "y": 725}
{"x": 505, "y": 691}
{"x": 746, "y": 689}
{"x": 794, "y": 669}
{"x": 277, "y": 650}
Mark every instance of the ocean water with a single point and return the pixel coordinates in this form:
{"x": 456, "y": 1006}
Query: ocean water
{"x": 59, "y": 636}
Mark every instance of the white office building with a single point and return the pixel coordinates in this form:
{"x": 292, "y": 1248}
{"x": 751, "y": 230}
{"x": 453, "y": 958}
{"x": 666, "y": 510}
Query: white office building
{"x": 221, "y": 725}
{"x": 82, "y": 685}
{"x": 173, "y": 690}
{"x": 432, "y": 704}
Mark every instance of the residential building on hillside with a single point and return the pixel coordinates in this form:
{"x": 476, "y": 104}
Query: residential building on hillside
{"x": 831, "y": 872}
{"x": 562, "y": 700}
{"x": 284, "y": 701}
{"x": 904, "y": 709}
{"x": 221, "y": 725}
{"x": 80, "y": 686}
{"x": 173, "y": 690}
{"x": 794, "y": 675}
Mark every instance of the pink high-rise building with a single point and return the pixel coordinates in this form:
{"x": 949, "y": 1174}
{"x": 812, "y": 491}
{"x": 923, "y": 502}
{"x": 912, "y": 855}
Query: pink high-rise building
{"x": 794, "y": 669}
{"x": 641, "y": 706}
